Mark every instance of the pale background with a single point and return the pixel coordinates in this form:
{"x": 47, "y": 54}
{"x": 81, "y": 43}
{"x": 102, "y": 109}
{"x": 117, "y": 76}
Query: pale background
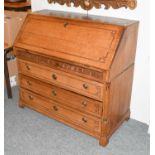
{"x": 140, "y": 94}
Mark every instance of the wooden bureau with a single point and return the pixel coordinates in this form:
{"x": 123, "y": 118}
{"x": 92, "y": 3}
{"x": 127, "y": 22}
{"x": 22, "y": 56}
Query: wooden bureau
{"x": 77, "y": 69}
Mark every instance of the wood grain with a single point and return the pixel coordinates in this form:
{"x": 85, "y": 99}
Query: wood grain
{"x": 59, "y": 64}
{"x": 57, "y": 111}
{"x": 62, "y": 96}
{"x": 125, "y": 55}
{"x": 83, "y": 43}
{"x": 77, "y": 70}
{"x": 83, "y": 86}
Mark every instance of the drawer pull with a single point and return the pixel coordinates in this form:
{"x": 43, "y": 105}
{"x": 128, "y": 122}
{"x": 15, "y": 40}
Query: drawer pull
{"x": 54, "y": 93}
{"x": 28, "y": 67}
{"x": 85, "y": 86}
{"x": 66, "y": 24}
{"x": 55, "y": 108}
{"x": 84, "y": 103}
{"x": 29, "y": 83}
{"x": 105, "y": 121}
{"x": 84, "y": 120}
{"x": 30, "y": 97}
{"x": 54, "y": 77}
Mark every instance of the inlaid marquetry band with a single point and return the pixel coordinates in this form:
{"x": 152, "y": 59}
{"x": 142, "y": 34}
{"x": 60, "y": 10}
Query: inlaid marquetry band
{"x": 60, "y": 65}
{"x": 89, "y": 4}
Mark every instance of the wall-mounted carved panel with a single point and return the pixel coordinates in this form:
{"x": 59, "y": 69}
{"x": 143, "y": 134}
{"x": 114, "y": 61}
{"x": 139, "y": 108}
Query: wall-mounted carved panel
{"x": 89, "y": 4}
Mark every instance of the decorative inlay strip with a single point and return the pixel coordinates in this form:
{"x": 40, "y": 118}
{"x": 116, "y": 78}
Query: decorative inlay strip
{"x": 60, "y": 65}
{"x": 97, "y": 109}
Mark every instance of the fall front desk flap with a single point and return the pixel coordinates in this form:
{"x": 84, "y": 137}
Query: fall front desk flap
{"x": 70, "y": 34}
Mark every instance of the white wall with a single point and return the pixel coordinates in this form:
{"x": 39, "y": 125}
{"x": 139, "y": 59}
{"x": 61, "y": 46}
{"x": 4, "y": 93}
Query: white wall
{"x": 140, "y": 93}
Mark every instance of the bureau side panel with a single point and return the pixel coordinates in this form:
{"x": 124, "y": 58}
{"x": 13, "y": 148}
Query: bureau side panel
{"x": 117, "y": 106}
{"x": 125, "y": 55}
{"x": 120, "y": 95}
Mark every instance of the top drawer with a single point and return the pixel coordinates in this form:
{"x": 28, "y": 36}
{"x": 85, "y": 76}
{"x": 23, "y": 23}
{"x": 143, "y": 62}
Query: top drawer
{"x": 59, "y": 64}
{"x": 79, "y": 85}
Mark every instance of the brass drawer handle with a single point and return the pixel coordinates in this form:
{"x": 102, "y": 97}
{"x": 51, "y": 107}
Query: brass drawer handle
{"x": 84, "y": 120}
{"x": 54, "y": 77}
{"x": 85, "y": 86}
{"x": 30, "y": 97}
{"x": 66, "y": 24}
{"x": 29, "y": 83}
{"x": 54, "y": 93}
{"x": 28, "y": 67}
{"x": 105, "y": 121}
{"x": 84, "y": 103}
{"x": 55, "y": 108}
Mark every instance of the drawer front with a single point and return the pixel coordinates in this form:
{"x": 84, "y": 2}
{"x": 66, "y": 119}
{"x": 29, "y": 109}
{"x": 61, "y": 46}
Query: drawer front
{"x": 62, "y": 96}
{"x": 60, "y": 64}
{"x": 54, "y": 109}
{"x": 79, "y": 85}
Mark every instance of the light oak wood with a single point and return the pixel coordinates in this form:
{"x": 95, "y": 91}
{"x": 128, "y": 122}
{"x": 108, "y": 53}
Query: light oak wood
{"x": 77, "y": 70}
{"x": 62, "y": 96}
{"x": 116, "y": 104}
{"x": 82, "y": 86}
{"x": 58, "y": 111}
{"x": 62, "y": 65}
{"x": 125, "y": 56}
{"x": 69, "y": 42}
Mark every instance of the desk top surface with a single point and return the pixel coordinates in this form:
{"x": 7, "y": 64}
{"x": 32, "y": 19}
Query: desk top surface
{"x": 92, "y": 18}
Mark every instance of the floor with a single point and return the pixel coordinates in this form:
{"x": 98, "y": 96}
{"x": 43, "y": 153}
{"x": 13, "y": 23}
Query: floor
{"x": 30, "y": 133}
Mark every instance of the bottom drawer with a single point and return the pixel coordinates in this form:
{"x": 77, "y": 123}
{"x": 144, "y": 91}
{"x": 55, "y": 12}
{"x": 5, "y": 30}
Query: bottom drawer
{"x": 68, "y": 116}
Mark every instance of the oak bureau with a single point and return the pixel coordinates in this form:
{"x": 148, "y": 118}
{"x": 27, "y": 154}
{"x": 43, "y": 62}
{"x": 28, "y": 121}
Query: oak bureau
{"x": 77, "y": 69}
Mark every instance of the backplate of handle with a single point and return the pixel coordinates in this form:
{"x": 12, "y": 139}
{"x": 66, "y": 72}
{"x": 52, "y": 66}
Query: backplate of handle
{"x": 29, "y": 83}
{"x": 85, "y": 86}
{"x": 54, "y": 93}
{"x": 54, "y": 77}
{"x": 84, "y": 103}
{"x": 30, "y": 97}
{"x": 28, "y": 67}
{"x": 55, "y": 108}
{"x": 66, "y": 24}
{"x": 84, "y": 120}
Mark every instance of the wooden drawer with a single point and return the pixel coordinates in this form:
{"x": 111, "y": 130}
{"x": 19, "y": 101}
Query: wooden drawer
{"x": 63, "y": 96}
{"x": 62, "y": 65}
{"x": 54, "y": 110}
{"x": 79, "y": 85}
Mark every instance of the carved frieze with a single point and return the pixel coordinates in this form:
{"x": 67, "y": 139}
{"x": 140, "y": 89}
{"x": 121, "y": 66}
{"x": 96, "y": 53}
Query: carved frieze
{"x": 60, "y": 65}
{"x": 89, "y": 4}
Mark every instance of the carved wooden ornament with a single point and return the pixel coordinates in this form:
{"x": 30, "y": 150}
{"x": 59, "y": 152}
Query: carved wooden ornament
{"x": 89, "y": 4}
